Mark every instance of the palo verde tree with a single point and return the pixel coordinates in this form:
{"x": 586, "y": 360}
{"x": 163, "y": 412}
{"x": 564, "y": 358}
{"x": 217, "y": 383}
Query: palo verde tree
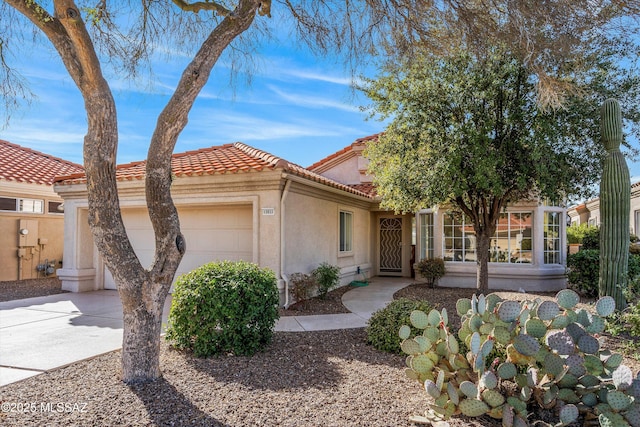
{"x": 123, "y": 36}
{"x": 467, "y": 131}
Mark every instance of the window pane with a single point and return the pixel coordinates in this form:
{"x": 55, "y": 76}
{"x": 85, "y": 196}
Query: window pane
{"x": 459, "y": 239}
{"x": 31, "y": 205}
{"x": 56, "y": 208}
{"x": 426, "y": 236}
{"x": 7, "y": 204}
{"x": 552, "y": 237}
{"x": 346, "y": 230}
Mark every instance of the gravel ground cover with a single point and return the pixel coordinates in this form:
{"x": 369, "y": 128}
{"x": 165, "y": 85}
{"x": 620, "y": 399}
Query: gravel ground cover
{"x": 328, "y": 378}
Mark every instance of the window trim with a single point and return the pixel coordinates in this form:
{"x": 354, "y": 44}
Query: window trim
{"x": 345, "y": 243}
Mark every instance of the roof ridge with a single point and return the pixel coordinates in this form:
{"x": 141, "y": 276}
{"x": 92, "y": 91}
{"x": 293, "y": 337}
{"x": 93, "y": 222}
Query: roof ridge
{"x": 344, "y": 150}
{"x": 274, "y": 161}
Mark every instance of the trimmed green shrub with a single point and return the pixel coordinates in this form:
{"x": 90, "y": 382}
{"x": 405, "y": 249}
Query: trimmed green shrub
{"x": 327, "y": 276}
{"x": 383, "y": 326}
{"x": 225, "y": 307}
{"x": 431, "y": 269}
{"x": 576, "y": 233}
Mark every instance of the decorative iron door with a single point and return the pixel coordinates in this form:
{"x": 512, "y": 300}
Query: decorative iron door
{"x": 390, "y": 245}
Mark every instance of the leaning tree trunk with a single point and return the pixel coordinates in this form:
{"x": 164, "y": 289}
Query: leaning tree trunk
{"x": 142, "y": 291}
{"x": 615, "y": 195}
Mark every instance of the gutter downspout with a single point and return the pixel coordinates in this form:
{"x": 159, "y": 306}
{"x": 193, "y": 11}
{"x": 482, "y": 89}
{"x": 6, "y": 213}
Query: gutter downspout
{"x": 284, "y": 277}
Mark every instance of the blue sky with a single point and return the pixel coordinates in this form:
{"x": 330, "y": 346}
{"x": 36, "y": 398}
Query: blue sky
{"x": 297, "y": 107}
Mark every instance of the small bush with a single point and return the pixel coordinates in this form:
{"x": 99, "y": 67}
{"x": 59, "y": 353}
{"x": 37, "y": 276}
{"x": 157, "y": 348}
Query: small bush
{"x": 431, "y": 269}
{"x": 302, "y": 286}
{"x": 383, "y": 327}
{"x": 327, "y": 276}
{"x": 224, "y": 307}
{"x": 576, "y": 233}
{"x": 591, "y": 238}
{"x": 583, "y": 271}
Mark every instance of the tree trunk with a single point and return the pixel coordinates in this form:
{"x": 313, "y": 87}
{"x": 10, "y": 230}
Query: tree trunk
{"x": 483, "y": 245}
{"x": 141, "y": 344}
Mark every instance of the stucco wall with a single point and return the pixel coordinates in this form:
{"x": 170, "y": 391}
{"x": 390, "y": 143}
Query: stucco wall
{"x": 311, "y": 232}
{"x": 45, "y": 239}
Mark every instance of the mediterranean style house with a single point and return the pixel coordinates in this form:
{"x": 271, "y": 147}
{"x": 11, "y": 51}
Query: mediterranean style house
{"x": 239, "y": 203}
{"x": 589, "y": 211}
{"x": 31, "y": 213}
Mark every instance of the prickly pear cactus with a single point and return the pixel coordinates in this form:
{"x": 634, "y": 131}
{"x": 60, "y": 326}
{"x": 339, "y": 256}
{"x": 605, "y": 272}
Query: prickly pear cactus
{"x": 521, "y": 354}
{"x": 615, "y": 196}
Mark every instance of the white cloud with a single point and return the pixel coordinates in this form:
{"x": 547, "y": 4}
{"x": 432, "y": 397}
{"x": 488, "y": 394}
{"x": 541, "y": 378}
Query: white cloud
{"x": 310, "y": 101}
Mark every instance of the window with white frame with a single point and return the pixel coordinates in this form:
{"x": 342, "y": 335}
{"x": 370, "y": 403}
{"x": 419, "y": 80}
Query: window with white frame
{"x": 459, "y": 239}
{"x": 346, "y": 231}
{"x": 31, "y": 205}
{"x": 512, "y": 241}
{"x": 426, "y": 234}
{"x": 552, "y": 237}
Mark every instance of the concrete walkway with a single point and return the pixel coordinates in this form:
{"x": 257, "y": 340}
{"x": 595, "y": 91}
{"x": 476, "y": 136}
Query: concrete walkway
{"x": 43, "y": 333}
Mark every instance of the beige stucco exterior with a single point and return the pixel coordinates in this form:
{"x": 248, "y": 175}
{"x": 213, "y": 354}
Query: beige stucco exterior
{"x": 21, "y": 254}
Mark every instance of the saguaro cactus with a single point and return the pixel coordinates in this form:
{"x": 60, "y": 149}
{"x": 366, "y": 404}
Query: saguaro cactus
{"x": 615, "y": 195}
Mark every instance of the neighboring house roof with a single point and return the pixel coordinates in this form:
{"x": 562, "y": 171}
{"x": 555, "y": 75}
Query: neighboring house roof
{"x": 326, "y": 162}
{"x": 224, "y": 159}
{"x": 22, "y": 164}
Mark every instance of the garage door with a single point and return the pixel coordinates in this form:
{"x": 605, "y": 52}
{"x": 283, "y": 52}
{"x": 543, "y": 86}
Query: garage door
{"x": 212, "y": 234}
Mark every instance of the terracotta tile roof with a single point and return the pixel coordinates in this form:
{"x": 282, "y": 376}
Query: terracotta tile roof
{"x": 224, "y": 159}
{"x": 23, "y": 164}
{"x": 356, "y": 143}
{"x": 367, "y": 187}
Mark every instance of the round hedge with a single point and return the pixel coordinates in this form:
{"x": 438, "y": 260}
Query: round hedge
{"x": 224, "y": 307}
{"x": 384, "y": 324}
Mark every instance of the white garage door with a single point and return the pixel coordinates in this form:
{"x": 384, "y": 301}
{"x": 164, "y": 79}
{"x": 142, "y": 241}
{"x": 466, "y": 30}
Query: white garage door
{"x": 212, "y": 234}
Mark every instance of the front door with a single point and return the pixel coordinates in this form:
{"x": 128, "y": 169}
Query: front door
{"x": 391, "y": 246}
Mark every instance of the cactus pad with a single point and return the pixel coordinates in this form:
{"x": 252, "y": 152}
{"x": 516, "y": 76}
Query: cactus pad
{"x": 597, "y": 325}
{"x": 526, "y": 345}
{"x": 618, "y": 400}
{"x": 553, "y": 364}
{"x": 590, "y": 399}
{"x": 410, "y": 346}
{"x": 605, "y": 306}
{"x": 404, "y": 332}
{"x": 502, "y": 335}
{"x": 507, "y": 370}
{"x": 588, "y": 344}
{"x": 432, "y": 389}
{"x": 489, "y": 380}
{"x": 632, "y": 415}
{"x": 469, "y": 389}
{"x": 547, "y": 310}
{"x": 622, "y": 377}
{"x": 422, "y": 364}
{"x": 474, "y": 344}
{"x": 473, "y": 407}
{"x": 463, "y": 305}
{"x": 613, "y": 361}
{"x": 508, "y": 311}
{"x": 493, "y": 397}
{"x": 575, "y": 330}
{"x": 419, "y": 319}
{"x": 589, "y": 380}
{"x": 567, "y": 298}
{"x": 492, "y": 301}
{"x": 536, "y": 328}
{"x": 568, "y": 395}
{"x": 434, "y": 318}
{"x": 561, "y": 342}
{"x": 568, "y": 414}
{"x": 575, "y": 362}
{"x": 424, "y": 343}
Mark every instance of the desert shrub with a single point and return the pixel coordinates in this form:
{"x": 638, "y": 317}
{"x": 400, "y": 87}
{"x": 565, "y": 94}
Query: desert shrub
{"x": 576, "y": 233}
{"x": 583, "y": 270}
{"x": 326, "y": 276}
{"x": 591, "y": 238}
{"x": 224, "y": 307}
{"x": 384, "y": 324}
{"x": 302, "y": 286}
{"x": 431, "y": 269}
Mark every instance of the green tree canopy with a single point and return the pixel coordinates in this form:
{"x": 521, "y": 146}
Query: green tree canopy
{"x": 466, "y": 130}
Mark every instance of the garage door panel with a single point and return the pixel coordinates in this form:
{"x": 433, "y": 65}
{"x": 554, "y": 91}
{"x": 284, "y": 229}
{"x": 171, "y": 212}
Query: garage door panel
{"x": 212, "y": 234}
